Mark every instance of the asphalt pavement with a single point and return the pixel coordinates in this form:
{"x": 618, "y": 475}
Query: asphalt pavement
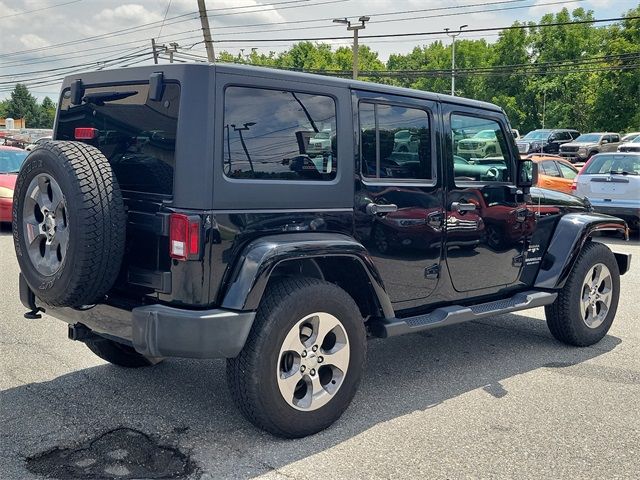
{"x": 498, "y": 398}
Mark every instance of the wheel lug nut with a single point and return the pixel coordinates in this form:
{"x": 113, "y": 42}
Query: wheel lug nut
{"x": 312, "y": 372}
{"x": 314, "y": 348}
{"x": 302, "y": 368}
{"x": 303, "y": 354}
{"x": 320, "y": 359}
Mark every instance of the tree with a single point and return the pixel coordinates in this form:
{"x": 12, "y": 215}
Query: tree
{"x": 47, "y": 113}
{"x": 23, "y": 105}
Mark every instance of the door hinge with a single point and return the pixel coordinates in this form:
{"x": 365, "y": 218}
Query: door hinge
{"x": 432, "y": 272}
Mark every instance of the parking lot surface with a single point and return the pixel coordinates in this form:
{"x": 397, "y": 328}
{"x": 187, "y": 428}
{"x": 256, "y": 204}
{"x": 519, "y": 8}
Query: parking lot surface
{"x": 498, "y": 398}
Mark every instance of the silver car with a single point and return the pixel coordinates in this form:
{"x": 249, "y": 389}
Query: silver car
{"x": 611, "y": 182}
{"x": 589, "y": 144}
{"x": 630, "y": 146}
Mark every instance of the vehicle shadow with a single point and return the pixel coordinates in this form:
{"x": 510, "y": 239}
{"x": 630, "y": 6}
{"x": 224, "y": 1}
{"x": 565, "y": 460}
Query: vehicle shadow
{"x": 186, "y": 402}
{"x": 5, "y": 229}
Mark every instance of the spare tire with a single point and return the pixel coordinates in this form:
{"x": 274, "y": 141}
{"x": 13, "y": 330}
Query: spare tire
{"x": 68, "y": 223}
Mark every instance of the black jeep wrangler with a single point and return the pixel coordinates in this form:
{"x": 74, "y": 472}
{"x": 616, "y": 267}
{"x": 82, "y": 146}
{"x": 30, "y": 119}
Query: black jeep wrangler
{"x": 276, "y": 219}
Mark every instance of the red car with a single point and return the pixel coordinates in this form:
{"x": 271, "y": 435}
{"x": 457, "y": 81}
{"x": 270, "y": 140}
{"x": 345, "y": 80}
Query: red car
{"x": 10, "y": 162}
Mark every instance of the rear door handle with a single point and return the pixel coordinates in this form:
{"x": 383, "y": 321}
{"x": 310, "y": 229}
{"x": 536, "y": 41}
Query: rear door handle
{"x": 374, "y": 208}
{"x": 463, "y": 207}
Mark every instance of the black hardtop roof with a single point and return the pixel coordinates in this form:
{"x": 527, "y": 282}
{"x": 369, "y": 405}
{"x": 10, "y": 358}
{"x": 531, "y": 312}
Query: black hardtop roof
{"x": 177, "y": 71}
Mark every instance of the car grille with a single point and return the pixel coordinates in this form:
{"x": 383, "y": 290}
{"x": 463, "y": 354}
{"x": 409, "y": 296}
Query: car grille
{"x": 469, "y": 145}
{"x": 629, "y": 149}
{"x": 523, "y": 147}
{"x": 569, "y": 149}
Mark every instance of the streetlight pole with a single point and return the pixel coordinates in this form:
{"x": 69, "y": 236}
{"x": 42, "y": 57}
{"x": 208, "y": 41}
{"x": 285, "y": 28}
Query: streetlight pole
{"x": 354, "y": 29}
{"x": 453, "y": 35}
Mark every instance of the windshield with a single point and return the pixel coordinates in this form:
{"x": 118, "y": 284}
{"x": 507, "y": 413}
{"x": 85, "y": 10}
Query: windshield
{"x": 616, "y": 164}
{"x": 588, "y": 138}
{"x": 11, "y": 160}
{"x": 636, "y": 140}
{"x": 537, "y": 135}
{"x": 486, "y": 134}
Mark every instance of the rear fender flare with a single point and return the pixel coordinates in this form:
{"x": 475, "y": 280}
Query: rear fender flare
{"x": 260, "y": 257}
{"x": 571, "y": 233}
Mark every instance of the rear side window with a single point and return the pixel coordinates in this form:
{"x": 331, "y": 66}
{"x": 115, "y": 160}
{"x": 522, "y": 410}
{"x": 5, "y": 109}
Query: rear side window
{"x": 567, "y": 171}
{"x": 395, "y": 142}
{"x": 279, "y": 135}
{"x": 616, "y": 164}
{"x": 136, "y": 134}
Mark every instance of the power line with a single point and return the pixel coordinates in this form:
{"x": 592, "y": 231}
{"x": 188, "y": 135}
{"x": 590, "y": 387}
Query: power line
{"x": 415, "y": 34}
{"x": 165, "y": 17}
{"x": 24, "y": 12}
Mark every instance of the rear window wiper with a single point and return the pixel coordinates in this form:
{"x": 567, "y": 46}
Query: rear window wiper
{"x": 614, "y": 172}
{"x": 99, "y": 98}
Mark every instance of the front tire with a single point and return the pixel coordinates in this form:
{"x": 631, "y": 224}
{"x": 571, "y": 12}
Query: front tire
{"x": 586, "y": 306}
{"x": 303, "y": 360}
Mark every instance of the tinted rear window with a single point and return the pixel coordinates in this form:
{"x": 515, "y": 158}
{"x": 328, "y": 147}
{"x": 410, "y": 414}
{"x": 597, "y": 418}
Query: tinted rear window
{"x": 136, "y": 134}
{"x": 620, "y": 164}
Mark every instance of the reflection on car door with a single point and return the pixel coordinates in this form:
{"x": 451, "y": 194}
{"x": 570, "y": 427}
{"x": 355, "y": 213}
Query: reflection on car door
{"x": 398, "y": 202}
{"x": 487, "y": 221}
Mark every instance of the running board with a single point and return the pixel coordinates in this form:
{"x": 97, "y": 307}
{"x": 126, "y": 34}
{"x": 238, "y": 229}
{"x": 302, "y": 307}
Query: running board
{"x": 453, "y": 314}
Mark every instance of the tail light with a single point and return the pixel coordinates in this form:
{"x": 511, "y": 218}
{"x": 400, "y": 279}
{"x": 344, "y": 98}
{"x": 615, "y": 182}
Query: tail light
{"x": 184, "y": 236}
{"x": 574, "y": 184}
{"x": 85, "y": 133}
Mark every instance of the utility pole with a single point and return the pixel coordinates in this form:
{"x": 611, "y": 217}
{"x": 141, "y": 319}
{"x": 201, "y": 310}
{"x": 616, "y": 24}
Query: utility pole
{"x": 155, "y": 52}
{"x": 241, "y": 129}
{"x": 206, "y": 31}
{"x": 354, "y": 29}
{"x": 453, "y": 35}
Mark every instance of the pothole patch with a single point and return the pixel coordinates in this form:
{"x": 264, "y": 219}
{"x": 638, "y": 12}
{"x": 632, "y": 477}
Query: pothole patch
{"x": 118, "y": 454}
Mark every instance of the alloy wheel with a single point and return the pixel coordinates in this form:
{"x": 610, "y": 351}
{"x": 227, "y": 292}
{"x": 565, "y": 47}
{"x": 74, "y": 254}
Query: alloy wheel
{"x": 46, "y": 224}
{"x": 313, "y": 361}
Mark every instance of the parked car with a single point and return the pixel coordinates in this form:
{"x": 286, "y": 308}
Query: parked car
{"x": 629, "y": 137}
{"x": 231, "y": 249}
{"x": 554, "y": 172}
{"x": 588, "y": 144}
{"x": 546, "y": 140}
{"x": 631, "y": 146}
{"x": 482, "y": 144}
{"x": 11, "y": 160}
{"x": 611, "y": 182}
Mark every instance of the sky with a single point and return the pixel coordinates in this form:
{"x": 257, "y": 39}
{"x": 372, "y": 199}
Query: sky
{"x": 79, "y": 35}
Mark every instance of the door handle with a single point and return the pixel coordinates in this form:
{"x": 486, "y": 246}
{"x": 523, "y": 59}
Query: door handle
{"x": 463, "y": 207}
{"x": 374, "y": 208}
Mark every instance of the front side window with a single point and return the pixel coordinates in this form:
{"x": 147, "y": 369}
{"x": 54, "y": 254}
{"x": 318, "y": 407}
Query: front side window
{"x": 395, "y": 142}
{"x": 550, "y": 169}
{"x": 481, "y": 143}
{"x": 279, "y": 135}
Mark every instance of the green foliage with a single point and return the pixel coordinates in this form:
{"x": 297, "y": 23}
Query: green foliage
{"x": 24, "y": 105}
{"x": 538, "y": 75}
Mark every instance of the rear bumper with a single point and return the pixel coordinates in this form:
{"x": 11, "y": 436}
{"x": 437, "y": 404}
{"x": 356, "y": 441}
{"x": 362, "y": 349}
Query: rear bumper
{"x": 159, "y": 330}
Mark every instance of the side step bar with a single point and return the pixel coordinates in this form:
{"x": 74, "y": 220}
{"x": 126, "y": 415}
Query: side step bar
{"x": 453, "y": 314}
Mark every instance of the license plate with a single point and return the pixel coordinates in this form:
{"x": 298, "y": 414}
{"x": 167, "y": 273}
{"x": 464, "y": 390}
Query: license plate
{"x": 609, "y": 188}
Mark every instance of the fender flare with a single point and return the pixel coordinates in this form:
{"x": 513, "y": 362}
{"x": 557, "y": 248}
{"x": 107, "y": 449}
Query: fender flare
{"x": 571, "y": 233}
{"x": 251, "y": 273}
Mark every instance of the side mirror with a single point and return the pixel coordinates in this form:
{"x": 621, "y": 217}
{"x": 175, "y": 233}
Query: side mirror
{"x": 527, "y": 173}
{"x": 604, "y": 140}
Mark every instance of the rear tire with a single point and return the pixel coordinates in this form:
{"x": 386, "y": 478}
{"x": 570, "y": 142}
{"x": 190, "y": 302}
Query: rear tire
{"x": 281, "y": 346}
{"x": 119, "y": 354}
{"x": 586, "y": 306}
